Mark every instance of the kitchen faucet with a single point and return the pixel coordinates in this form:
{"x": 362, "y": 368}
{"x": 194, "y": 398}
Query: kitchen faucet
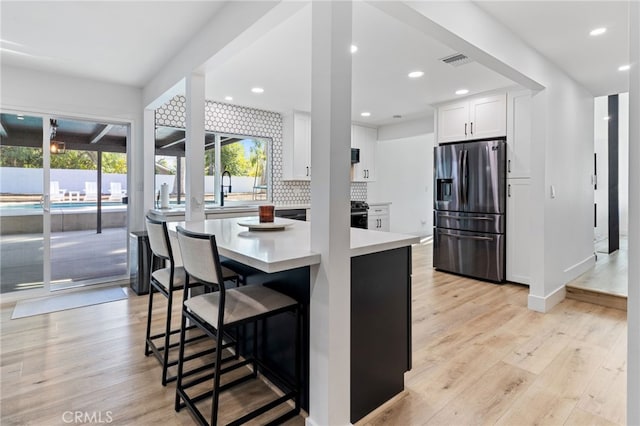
{"x": 222, "y": 185}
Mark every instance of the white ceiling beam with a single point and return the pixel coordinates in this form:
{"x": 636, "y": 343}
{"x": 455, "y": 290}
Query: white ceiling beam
{"x": 456, "y": 24}
{"x": 173, "y": 143}
{"x": 234, "y": 27}
{"x": 95, "y": 138}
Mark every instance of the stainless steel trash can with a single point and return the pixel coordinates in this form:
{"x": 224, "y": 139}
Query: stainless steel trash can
{"x": 139, "y": 262}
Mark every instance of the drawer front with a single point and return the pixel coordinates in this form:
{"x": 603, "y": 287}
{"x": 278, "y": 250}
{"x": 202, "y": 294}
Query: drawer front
{"x": 474, "y": 222}
{"x": 468, "y": 253}
{"x": 378, "y": 210}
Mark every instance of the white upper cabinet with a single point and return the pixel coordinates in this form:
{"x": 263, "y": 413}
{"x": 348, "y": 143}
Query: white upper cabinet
{"x": 519, "y": 134}
{"x": 474, "y": 118}
{"x": 365, "y": 139}
{"x": 296, "y": 146}
{"x": 452, "y": 122}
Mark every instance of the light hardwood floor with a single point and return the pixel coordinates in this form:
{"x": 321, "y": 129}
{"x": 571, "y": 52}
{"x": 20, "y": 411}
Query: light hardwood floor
{"x": 479, "y": 357}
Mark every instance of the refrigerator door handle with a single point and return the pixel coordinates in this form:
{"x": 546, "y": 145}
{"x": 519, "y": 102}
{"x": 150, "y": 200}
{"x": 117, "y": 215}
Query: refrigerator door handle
{"x": 465, "y": 176}
{"x": 447, "y": 216}
{"x": 461, "y": 176}
{"x": 467, "y": 237}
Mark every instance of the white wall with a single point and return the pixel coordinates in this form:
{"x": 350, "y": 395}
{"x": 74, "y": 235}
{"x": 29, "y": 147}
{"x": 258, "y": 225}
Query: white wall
{"x": 404, "y": 176}
{"x": 17, "y": 180}
{"x": 36, "y": 92}
{"x": 568, "y": 153}
{"x": 415, "y": 127}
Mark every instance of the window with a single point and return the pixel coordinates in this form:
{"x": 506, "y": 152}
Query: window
{"x": 241, "y": 177}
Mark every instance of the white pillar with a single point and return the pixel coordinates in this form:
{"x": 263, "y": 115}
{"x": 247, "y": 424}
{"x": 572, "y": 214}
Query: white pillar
{"x": 145, "y": 157}
{"x": 194, "y": 148}
{"x": 633, "y": 300}
{"x": 330, "y": 192}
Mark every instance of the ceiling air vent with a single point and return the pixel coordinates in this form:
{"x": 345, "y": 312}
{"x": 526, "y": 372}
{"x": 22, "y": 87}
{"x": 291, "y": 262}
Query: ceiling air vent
{"x": 456, "y": 59}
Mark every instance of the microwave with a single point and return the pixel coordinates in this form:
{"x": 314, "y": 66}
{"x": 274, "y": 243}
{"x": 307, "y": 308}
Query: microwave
{"x": 355, "y": 155}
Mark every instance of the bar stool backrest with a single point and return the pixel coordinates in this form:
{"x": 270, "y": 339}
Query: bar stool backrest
{"x": 159, "y": 238}
{"x": 200, "y": 257}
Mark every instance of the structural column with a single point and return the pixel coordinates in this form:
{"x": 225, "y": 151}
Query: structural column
{"x": 330, "y": 312}
{"x": 194, "y": 148}
{"x": 633, "y": 300}
{"x": 147, "y": 164}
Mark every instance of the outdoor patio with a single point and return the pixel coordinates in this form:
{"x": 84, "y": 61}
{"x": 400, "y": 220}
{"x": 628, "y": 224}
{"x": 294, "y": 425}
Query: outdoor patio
{"x": 77, "y": 258}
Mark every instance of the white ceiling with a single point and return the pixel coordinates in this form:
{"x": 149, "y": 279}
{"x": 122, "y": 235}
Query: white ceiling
{"x": 127, "y": 42}
{"x": 280, "y": 62}
{"x": 560, "y": 31}
{"x": 116, "y": 41}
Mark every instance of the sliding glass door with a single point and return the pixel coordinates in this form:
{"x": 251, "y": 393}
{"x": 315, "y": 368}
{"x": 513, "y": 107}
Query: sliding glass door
{"x": 22, "y": 203}
{"x": 63, "y": 202}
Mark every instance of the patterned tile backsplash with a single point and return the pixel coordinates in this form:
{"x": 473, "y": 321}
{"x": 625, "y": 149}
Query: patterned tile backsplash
{"x": 238, "y": 120}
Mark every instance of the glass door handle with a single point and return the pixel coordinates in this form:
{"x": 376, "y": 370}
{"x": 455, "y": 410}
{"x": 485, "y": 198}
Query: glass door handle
{"x": 44, "y": 203}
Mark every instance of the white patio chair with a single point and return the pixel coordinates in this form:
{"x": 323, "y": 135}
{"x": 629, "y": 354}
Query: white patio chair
{"x": 55, "y": 193}
{"x": 116, "y": 192}
{"x": 90, "y": 191}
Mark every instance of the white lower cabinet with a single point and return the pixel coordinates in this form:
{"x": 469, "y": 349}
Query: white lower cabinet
{"x": 518, "y": 231}
{"x": 378, "y": 217}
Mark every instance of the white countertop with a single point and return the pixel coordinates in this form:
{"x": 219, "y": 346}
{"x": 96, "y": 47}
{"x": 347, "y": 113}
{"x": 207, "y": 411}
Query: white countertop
{"x": 275, "y": 251}
{"x": 179, "y": 211}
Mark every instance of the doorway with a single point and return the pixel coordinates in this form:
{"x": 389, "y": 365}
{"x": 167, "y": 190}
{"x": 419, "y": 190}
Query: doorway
{"x": 611, "y": 187}
{"x": 63, "y": 202}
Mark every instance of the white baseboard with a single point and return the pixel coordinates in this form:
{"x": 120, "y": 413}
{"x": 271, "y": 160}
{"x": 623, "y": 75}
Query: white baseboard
{"x": 309, "y": 422}
{"x": 579, "y": 268}
{"x": 544, "y": 304}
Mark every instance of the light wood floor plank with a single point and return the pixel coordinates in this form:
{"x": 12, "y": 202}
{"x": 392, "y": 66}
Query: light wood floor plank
{"x": 479, "y": 357}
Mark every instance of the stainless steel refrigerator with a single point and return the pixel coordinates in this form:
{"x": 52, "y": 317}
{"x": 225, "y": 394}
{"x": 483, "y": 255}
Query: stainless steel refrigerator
{"x": 470, "y": 204}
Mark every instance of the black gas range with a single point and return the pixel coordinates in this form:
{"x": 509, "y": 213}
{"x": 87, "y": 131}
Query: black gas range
{"x": 359, "y": 215}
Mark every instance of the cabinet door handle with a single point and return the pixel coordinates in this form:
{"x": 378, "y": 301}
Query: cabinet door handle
{"x": 472, "y": 127}
{"x": 465, "y": 129}
{"x": 509, "y": 190}
{"x": 509, "y": 166}
{"x": 307, "y": 171}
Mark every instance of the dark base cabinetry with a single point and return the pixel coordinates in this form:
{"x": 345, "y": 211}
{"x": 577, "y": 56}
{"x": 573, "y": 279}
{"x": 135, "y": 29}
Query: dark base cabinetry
{"x": 380, "y": 328}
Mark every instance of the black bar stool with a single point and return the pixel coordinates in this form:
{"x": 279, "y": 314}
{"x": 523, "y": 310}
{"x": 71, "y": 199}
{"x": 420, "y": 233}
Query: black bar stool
{"x": 215, "y": 314}
{"x": 165, "y": 281}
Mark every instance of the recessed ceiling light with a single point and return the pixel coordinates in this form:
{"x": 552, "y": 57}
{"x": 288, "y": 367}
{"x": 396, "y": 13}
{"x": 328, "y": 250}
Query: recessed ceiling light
{"x": 354, "y": 48}
{"x": 462, "y": 92}
{"x": 624, "y": 68}
{"x": 598, "y": 31}
{"x": 365, "y": 114}
{"x": 228, "y": 98}
{"x": 416, "y": 74}
{"x": 257, "y": 90}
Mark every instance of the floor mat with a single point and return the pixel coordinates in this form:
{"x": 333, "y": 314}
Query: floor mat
{"x": 28, "y": 308}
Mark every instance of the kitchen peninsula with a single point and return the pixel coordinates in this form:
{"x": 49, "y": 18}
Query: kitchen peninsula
{"x": 380, "y": 299}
